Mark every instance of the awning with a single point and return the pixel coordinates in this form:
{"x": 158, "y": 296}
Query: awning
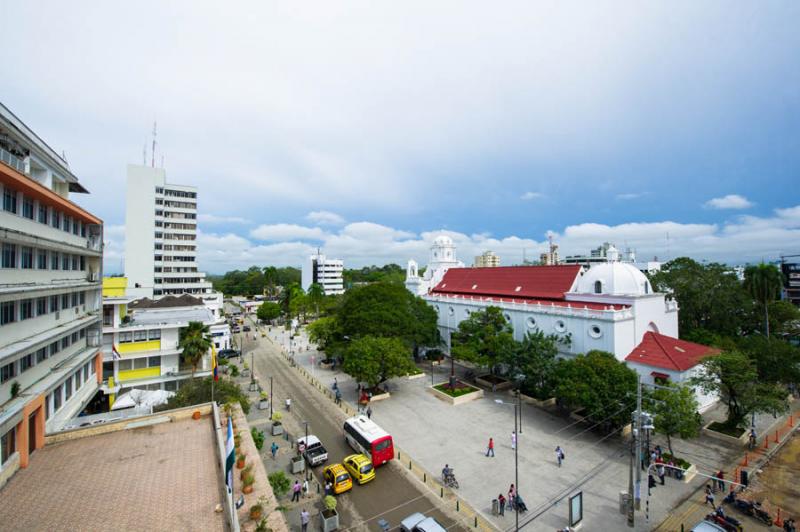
{"x": 658, "y": 375}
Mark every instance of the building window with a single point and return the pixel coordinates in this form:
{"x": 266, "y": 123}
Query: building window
{"x": 560, "y": 326}
{"x": 83, "y": 263}
{"x": 154, "y": 334}
{"x": 82, "y": 298}
{"x": 26, "y": 363}
{"x": 139, "y": 363}
{"x": 86, "y": 372}
{"x": 83, "y": 230}
{"x": 64, "y": 301}
{"x": 67, "y": 227}
{"x": 595, "y": 331}
{"x": 42, "y": 214}
{"x": 41, "y": 306}
{"x": 125, "y": 337}
{"x": 41, "y": 355}
{"x": 67, "y": 389}
{"x": 55, "y": 219}
{"x": 65, "y": 342}
{"x": 26, "y": 258}
{"x": 9, "y": 255}
{"x": 82, "y": 333}
{"x": 8, "y": 442}
{"x": 75, "y": 263}
{"x": 7, "y": 372}
{"x": 53, "y": 349}
{"x": 65, "y": 261}
{"x": 108, "y": 315}
{"x": 78, "y": 380}
{"x": 8, "y": 312}
{"x": 74, "y": 337}
{"x": 9, "y": 200}
{"x": 76, "y": 228}
{"x": 53, "y": 303}
{"x": 54, "y": 260}
{"x": 140, "y": 336}
{"x": 598, "y": 287}
{"x": 25, "y": 309}
{"x": 530, "y": 322}
{"x": 57, "y": 399}
{"x": 27, "y": 208}
{"x": 74, "y": 299}
{"x": 153, "y": 362}
{"x": 41, "y": 259}
{"x": 125, "y": 365}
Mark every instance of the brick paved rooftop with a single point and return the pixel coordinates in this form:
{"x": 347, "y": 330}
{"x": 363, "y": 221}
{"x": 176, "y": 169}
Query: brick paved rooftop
{"x": 158, "y": 477}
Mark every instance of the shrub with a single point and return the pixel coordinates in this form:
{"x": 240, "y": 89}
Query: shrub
{"x": 276, "y": 417}
{"x": 234, "y": 370}
{"x": 258, "y": 438}
{"x": 279, "y": 483}
{"x": 680, "y": 462}
{"x": 330, "y": 502}
{"x": 198, "y": 391}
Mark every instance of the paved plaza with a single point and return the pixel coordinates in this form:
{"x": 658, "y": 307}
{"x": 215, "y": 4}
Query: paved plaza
{"x": 434, "y": 433}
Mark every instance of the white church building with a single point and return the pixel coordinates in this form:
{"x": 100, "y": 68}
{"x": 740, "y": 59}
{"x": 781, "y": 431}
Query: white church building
{"x": 609, "y": 307}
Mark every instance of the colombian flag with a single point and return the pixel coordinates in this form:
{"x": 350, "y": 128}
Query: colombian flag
{"x": 214, "y": 362}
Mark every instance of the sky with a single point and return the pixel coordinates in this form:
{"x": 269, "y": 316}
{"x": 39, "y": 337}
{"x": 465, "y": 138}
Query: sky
{"x": 367, "y": 128}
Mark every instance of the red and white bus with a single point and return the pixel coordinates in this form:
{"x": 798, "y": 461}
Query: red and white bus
{"x": 366, "y": 437}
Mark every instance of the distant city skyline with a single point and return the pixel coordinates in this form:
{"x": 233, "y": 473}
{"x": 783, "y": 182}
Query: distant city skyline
{"x": 367, "y": 130}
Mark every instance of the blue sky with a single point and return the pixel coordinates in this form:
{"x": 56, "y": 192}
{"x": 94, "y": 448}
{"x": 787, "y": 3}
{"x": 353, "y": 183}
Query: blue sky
{"x": 610, "y": 121}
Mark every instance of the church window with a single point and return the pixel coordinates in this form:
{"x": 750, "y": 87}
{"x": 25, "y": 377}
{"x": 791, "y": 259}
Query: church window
{"x": 598, "y": 287}
{"x": 646, "y": 287}
{"x": 560, "y": 326}
{"x": 452, "y": 311}
{"x": 531, "y": 322}
{"x": 595, "y": 331}
{"x": 507, "y": 317}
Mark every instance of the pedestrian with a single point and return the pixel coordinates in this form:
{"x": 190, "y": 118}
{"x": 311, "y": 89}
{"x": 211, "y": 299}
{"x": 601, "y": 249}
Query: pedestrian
{"x": 709, "y": 496}
{"x": 305, "y": 517}
{"x": 721, "y": 480}
{"x": 559, "y": 455}
{"x": 335, "y": 384}
{"x": 305, "y": 488}
{"x": 752, "y": 438}
{"x": 513, "y": 440}
{"x": 274, "y": 449}
{"x": 338, "y": 396}
{"x": 658, "y": 451}
{"x": 328, "y": 488}
{"x": 512, "y": 496}
{"x": 661, "y": 473}
{"x": 490, "y": 448}
{"x": 296, "y": 491}
{"x": 651, "y": 481}
{"x": 501, "y": 504}
{"x": 369, "y": 412}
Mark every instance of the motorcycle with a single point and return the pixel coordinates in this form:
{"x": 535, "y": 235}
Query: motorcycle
{"x": 730, "y": 524}
{"x": 751, "y": 508}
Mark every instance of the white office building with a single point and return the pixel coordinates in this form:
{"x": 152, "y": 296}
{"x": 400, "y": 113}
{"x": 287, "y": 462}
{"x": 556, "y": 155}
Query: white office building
{"x": 50, "y": 289}
{"x": 161, "y": 239}
{"x": 325, "y": 272}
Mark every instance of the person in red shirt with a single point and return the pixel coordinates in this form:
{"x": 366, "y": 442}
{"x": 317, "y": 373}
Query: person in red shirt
{"x": 490, "y": 448}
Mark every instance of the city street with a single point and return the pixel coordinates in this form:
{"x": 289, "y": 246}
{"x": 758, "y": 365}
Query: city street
{"x": 392, "y": 496}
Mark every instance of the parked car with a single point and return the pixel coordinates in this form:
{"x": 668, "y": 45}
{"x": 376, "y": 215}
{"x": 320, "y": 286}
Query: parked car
{"x": 359, "y": 467}
{"x": 417, "y": 522}
{"x": 228, "y": 353}
{"x": 338, "y": 477}
{"x": 246, "y": 328}
{"x": 706, "y": 526}
{"x": 314, "y": 453}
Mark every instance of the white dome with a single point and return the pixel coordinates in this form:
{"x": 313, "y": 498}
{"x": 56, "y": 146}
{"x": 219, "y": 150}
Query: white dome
{"x": 443, "y": 241}
{"x": 615, "y": 278}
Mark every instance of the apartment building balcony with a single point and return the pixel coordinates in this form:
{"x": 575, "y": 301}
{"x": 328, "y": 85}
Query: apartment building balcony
{"x": 35, "y": 282}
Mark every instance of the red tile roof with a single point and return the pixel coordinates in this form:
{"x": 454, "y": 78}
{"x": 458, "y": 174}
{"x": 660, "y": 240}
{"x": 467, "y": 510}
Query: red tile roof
{"x": 667, "y": 352}
{"x": 578, "y": 305}
{"x": 517, "y": 282}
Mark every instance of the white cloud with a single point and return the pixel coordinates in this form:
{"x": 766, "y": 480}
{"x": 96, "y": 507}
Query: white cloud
{"x": 324, "y": 218}
{"x": 279, "y": 232}
{"x": 214, "y": 219}
{"x": 731, "y": 201}
{"x": 630, "y": 196}
{"x": 531, "y": 195}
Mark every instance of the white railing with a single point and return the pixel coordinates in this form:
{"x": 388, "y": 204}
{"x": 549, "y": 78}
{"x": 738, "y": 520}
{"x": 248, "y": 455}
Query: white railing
{"x": 12, "y": 160}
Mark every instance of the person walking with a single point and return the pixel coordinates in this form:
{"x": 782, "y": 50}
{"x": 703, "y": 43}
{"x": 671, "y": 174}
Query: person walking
{"x": 338, "y": 396}
{"x": 559, "y": 455}
{"x": 513, "y": 440}
{"x": 328, "y": 488}
{"x": 512, "y": 496}
{"x": 709, "y": 497}
{"x": 501, "y": 504}
{"x": 305, "y": 517}
{"x": 661, "y": 472}
{"x": 752, "y": 438}
{"x": 721, "y": 480}
{"x": 305, "y": 488}
{"x": 296, "y": 491}
{"x": 274, "y": 449}
{"x": 369, "y": 412}
{"x": 490, "y": 448}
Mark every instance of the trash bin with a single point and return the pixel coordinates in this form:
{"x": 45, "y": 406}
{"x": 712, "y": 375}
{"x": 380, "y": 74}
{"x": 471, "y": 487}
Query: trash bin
{"x": 623, "y": 502}
{"x": 495, "y": 507}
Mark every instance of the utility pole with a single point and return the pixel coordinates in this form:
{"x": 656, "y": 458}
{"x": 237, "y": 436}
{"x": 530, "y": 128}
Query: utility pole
{"x": 638, "y": 439}
{"x": 516, "y": 472}
{"x": 634, "y": 453}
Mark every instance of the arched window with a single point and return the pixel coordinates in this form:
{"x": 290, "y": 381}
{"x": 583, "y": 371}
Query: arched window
{"x": 598, "y": 287}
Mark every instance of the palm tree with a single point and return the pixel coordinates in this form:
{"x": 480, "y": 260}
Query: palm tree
{"x": 764, "y": 283}
{"x": 315, "y": 295}
{"x": 195, "y": 343}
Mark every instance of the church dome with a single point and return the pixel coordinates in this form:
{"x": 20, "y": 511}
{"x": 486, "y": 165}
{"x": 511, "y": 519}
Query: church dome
{"x": 443, "y": 241}
{"x": 614, "y": 278}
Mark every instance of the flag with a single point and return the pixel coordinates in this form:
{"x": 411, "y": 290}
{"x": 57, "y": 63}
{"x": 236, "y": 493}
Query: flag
{"x": 114, "y": 352}
{"x": 229, "y": 458}
{"x": 214, "y": 362}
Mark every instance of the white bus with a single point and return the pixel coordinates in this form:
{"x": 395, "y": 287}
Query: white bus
{"x": 366, "y": 437}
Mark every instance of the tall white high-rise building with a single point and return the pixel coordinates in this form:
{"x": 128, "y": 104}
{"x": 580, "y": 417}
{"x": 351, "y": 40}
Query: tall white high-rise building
{"x": 325, "y": 272}
{"x": 161, "y": 238}
{"x": 50, "y": 285}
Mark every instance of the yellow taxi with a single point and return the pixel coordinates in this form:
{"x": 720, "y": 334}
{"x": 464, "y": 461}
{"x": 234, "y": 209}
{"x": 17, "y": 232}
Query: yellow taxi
{"x": 338, "y": 478}
{"x": 360, "y": 468}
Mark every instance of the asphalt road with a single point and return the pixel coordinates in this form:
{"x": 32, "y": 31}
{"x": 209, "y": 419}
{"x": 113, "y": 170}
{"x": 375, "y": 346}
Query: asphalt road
{"x": 391, "y": 495}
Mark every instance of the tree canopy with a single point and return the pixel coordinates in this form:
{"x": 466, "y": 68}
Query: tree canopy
{"x": 764, "y": 283}
{"x": 602, "y": 385}
{"x": 195, "y": 342}
{"x": 374, "y": 360}
{"x": 388, "y": 273}
{"x": 675, "y": 412}
{"x": 255, "y": 281}
{"x": 268, "y": 311}
{"x": 485, "y": 338}
{"x": 198, "y": 391}
{"x": 535, "y": 358}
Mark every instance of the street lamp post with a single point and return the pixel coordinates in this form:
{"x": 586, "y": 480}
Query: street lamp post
{"x": 516, "y": 461}
{"x": 270, "y": 397}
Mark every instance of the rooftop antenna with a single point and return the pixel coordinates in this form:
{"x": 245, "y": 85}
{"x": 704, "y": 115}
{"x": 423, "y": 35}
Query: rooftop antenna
{"x": 64, "y": 156}
{"x": 153, "y": 155}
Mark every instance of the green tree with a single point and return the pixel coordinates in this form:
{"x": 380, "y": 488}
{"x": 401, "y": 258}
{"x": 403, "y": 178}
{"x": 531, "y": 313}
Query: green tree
{"x": 535, "y": 358}
{"x": 194, "y": 342}
{"x": 485, "y": 338}
{"x": 733, "y": 377}
{"x": 271, "y": 281}
{"x": 764, "y": 283}
{"x": 602, "y": 385}
{"x": 784, "y": 318}
{"x": 315, "y": 296}
{"x": 374, "y": 360}
{"x": 710, "y": 297}
{"x": 324, "y": 332}
{"x": 675, "y": 413}
{"x": 268, "y": 311}
{"x": 776, "y": 360}
{"x": 289, "y": 300}
{"x": 198, "y": 391}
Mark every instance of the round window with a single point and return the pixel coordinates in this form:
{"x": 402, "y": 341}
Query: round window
{"x": 452, "y": 311}
{"x": 507, "y": 317}
{"x": 531, "y": 322}
{"x": 595, "y": 331}
{"x": 560, "y": 326}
